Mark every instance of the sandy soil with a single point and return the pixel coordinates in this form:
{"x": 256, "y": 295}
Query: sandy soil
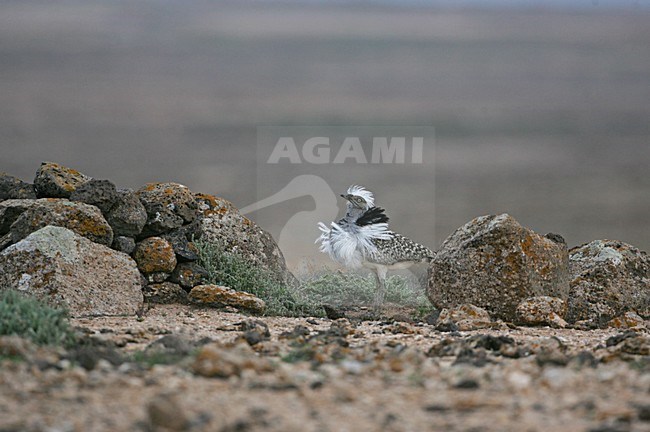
{"x": 336, "y": 375}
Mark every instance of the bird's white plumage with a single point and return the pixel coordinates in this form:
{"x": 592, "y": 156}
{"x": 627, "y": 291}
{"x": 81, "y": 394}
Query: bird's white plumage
{"x": 351, "y": 248}
{"x": 363, "y": 193}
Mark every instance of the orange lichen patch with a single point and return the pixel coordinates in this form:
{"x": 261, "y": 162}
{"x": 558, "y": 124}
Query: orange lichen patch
{"x": 149, "y": 186}
{"x": 155, "y": 255}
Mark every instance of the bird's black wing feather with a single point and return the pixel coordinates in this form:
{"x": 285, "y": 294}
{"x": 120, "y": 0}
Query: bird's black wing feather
{"x": 372, "y": 216}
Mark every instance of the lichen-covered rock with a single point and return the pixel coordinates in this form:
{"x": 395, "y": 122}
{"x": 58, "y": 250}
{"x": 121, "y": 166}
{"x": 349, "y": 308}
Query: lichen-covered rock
{"x": 165, "y": 293}
{"x": 68, "y": 270}
{"x": 56, "y": 181}
{"x": 124, "y": 244}
{"x": 189, "y": 275}
{"x": 84, "y": 219}
{"x": 127, "y": 216}
{"x": 100, "y": 193}
{"x": 542, "y": 310}
{"x": 168, "y": 206}
{"x": 223, "y": 224}
{"x": 629, "y": 320}
{"x": 184, "y": 249}
{"x": 155, "y": 255}
{"x": 466, "y": 317}
{"x": 608, "y": 278}
{"x": 14, "y": 188}
{"x": 224, "y": 296}
{"x": 495, "y": 263}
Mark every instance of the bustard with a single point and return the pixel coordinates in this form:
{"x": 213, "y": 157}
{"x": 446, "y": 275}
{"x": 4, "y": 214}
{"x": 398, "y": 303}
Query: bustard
{"x": 362, "y": 239}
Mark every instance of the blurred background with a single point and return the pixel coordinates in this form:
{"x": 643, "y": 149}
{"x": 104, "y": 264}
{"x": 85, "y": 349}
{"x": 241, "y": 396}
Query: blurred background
{"x": 541, "y": 108}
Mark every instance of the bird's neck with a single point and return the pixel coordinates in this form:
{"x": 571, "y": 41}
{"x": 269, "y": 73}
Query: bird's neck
{"x": 352, "y": 214}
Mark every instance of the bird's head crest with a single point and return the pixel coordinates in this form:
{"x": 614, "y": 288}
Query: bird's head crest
{"x": 363, "y": 193}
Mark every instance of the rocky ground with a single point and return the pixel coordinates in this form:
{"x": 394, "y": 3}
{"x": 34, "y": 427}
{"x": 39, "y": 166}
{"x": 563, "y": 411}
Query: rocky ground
{"x": 178, "y": 367}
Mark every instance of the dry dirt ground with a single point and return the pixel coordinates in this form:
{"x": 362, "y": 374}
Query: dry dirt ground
{"x": 328, "y": 375}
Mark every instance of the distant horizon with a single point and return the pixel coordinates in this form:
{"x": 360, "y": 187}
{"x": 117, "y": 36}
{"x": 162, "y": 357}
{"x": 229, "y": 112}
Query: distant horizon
{"x": 595, "y": 5}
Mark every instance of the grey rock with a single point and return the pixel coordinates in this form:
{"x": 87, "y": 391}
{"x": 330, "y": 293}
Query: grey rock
{"x": 608, "y": 278}
{"x": 495, "y": 263}
{"x": 223, "y": 224}
{"x": 84, "y": 219}
{"x": 100, "y": 193}
{"x": 56, "y": 181}
{"x": 14, "y": 188}
{"x": 68, "y": 270}
{"x": 127, "y": 216}
{"x": 168, "y": 206}
{"x": 189, "y": 275}
{"x": 10, "y": 210}
{"x": 542, "y": 310}
{"x": 184, "y": 249}
{"x": 165, "y": 293}
{"x": 124, "y": 244}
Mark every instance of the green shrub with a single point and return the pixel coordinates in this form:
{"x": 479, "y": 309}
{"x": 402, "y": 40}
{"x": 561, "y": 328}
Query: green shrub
{"x": 32, "y": 319}
{"x": 230, "y": 269}
{"x": 336, "y": 289}
{"x": 344, "y": 289}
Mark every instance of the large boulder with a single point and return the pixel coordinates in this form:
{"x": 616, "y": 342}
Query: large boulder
{"x": 14, "y": 188}
{"x": 495, "y": 263}
{"x": 84, "y": 219}
{"x": 608, "y": 278}
{"x": 222, "y": 223}
{"x": 68, "y": 270}
{"x": 127, "y": 216}
{"x": 56, "y": 181}
{"x": 168, "y": 206}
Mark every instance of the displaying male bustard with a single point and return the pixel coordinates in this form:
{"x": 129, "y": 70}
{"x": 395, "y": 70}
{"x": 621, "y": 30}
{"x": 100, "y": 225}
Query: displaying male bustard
{"x": 362, "y": 238}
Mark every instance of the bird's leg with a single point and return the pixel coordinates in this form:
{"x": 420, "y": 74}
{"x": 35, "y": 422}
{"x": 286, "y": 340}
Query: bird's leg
{"x": 380, "y": 275}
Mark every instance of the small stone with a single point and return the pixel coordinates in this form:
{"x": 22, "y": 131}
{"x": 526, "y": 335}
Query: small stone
{"x": 542, "y": 310}
{"x": 189, "y": 275}
{"x": 165, "y": 293}
{"x": 629, "y": 320}
{"x": 127, "y": 216}
{"x": 215, "y": 360}
{"x": 333, "y": 313}
{"x": 56, "y": 181}
{"x": 154, "y": 255}
{"x": 214, "y": 294}
{"x": 466, "y": 317}
{"x": 165, "y": 413}
{"x": 124, "y": 244}
{"x": 446, "y": 326}
{"x": 14, "y": 188}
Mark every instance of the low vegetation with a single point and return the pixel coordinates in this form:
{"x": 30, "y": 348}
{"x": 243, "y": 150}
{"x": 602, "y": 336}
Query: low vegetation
{"x": 336, "y": 289}
{"x": 32, "y": 319}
